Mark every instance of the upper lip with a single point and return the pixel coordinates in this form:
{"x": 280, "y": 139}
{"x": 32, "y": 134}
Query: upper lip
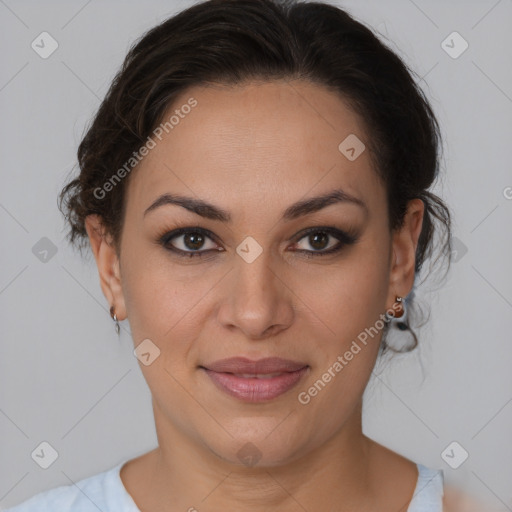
{"x": 260, "y": 366}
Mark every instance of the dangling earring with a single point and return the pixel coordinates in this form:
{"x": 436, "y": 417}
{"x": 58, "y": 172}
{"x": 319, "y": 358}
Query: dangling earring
{"x": 114, "y": 316}
{"x": 399, "y": 321}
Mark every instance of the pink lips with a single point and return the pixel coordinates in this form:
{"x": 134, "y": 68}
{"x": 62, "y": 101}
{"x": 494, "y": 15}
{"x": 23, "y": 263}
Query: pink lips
{"x": 255, "y": 381}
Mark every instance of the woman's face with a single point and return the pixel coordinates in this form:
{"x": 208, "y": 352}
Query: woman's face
{"x": 257, "y": 285}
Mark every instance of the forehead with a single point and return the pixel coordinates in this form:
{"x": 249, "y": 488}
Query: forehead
{"x": 252, "y": 143}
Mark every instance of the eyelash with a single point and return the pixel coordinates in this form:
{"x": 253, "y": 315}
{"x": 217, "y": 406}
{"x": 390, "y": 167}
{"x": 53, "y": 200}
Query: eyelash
{"x": 344, "y": 239}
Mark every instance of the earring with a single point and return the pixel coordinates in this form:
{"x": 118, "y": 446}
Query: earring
{"x": 400, "y": 313}
{"x": 405, "y": 339}
{"x": 114, "y": 316}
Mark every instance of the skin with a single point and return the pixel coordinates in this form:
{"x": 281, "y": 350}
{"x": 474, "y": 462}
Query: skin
{"x": 254, "y": 150}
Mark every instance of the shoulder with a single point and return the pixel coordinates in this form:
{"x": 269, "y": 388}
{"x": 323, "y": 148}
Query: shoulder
{"x": 457, "y": 500}
{"x": 90, "y": 494}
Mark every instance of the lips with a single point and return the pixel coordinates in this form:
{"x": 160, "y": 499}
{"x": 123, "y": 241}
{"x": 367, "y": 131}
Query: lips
{"x": 241, "y": 365}
{"x": 255, "y": 381}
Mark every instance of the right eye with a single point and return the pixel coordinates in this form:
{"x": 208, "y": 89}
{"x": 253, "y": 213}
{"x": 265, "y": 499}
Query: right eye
{"x": 187, "y": 242}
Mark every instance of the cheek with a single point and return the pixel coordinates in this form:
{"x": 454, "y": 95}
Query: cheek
{"x": 349, "y": 300}
{"x": 350, "y": 303}
{"x": 166, "y": 302}
{"x": 352, "y": 295}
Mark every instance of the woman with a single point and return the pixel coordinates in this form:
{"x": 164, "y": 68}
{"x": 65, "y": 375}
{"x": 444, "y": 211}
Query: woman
{"x": 255, "y": 191}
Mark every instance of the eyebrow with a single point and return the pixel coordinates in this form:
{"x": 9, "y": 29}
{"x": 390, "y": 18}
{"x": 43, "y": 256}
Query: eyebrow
{"x": 298, "y": 209}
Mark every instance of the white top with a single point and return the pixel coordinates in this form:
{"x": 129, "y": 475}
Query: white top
{"x": 106, "y": 492}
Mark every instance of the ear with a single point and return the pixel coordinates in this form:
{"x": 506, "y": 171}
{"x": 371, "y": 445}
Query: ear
{"x": 107, "y": 262}
{"x": 403, "y": 248}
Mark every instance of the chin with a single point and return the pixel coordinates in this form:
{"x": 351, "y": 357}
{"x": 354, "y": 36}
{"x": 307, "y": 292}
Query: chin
{"x": 260, "y": 443}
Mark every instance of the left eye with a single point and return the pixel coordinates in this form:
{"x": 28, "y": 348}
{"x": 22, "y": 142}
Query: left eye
{"x": 319, "y": 241}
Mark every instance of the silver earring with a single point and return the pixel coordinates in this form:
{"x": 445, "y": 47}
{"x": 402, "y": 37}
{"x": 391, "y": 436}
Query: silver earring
{"x": 114, "y": 316}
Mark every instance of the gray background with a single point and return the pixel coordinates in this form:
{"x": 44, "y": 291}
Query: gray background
{"x": 64, "y": 376}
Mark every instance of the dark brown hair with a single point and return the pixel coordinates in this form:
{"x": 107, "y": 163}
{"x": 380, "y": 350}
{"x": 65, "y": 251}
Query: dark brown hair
{"x": 233, "y": 41}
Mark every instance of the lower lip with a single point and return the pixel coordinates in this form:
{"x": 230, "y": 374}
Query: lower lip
{"x": 253, "y": 389}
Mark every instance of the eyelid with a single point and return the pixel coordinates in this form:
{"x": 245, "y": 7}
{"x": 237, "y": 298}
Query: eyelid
{"x": 341, "y": 235}
{"x": 168, "y": 235}
{"x": 344, "y": 238}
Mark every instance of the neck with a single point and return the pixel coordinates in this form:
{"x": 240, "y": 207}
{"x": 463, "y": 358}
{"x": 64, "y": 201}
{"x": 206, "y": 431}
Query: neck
{"x": 185, "y": 475}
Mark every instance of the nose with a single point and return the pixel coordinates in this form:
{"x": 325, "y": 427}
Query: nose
{"x": 257, "y": 301}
